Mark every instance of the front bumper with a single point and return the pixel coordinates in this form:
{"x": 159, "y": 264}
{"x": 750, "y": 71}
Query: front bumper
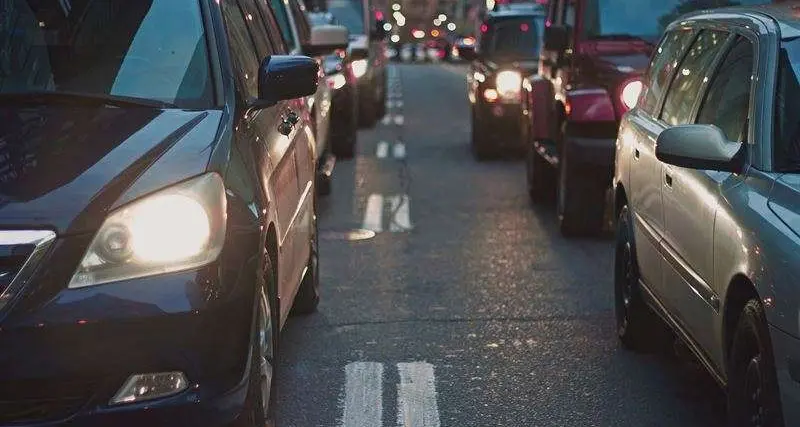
{"x": 787, "y": 366}
{"x": 64, "y": 355}
{"x": 501, "y": 122}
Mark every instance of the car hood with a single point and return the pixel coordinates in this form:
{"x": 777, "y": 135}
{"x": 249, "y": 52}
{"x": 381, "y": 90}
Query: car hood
{"x": 65, "y": 167}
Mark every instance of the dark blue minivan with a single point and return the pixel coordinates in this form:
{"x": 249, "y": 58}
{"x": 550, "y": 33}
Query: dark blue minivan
{"x": 157, "y": 210}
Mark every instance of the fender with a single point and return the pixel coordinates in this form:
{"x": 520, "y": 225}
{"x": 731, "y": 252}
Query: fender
{"x": 589, "y": 105}
{"x": 544, "y": 117}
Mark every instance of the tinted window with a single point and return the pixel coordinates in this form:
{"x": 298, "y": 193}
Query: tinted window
{"x": 662, "y": 65}
{"x": 117, "y": 47}
{"x": 273, "y": 28}
{"x": 514, "y": 37}
{"x": 245, "y": 60}
{"x": 349, "y": 13}
{"x": 787, "y": 103}
{"x": 645, "y": 19}
{"x": 689, "y": 77}
{"x": 728, "y": 99}
{"x": 303, "y": 30}
{"x": 257, "y": 31}
{"x": 279, "y": 7}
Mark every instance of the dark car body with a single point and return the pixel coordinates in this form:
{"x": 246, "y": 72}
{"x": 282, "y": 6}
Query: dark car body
{"x": 157, "y": 188}
{"x": 590, "y": 75}
{"x": 507, "y": 49}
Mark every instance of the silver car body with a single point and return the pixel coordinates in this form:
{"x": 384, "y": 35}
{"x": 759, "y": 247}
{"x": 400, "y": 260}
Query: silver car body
{"x": 710, "y": 235}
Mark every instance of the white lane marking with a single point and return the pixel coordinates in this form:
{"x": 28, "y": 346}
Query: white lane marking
{"x": 383, "y": 149}
{"x": 373, "y": 214}
{"x": 399, "y": 120}
{"x": 363, "y": 395}
{"x": 400, "y": 208}
{"x": 387, "y": 119}
{"x": 398, "y": 104}
{"x": 389, "y": 104}
{"x": 399, "y": 150}
{"x": 416, "y": 396}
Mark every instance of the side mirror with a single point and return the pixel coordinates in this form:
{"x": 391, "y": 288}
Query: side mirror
{"x": 378, "y": 32}
{"x": 284, "y": 77}
{"x": 555, "y": 38}
{"x": 326, "y": 39}
{"x": 468, "y": 53}
{"x": 698, "y": 147}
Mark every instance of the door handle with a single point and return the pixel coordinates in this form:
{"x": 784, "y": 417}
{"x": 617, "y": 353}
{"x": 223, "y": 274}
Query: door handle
{"x": 292, "y": 117}
{"x": 668, "y": 180}
{"x": 285, "y": 127}
{"x": 636, "y": 153}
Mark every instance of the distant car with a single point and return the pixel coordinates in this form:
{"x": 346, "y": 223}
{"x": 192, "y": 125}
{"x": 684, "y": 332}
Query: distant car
{"x": 707, "y": 196}
{"x": 507, "y": 52}
{"x": 407, "y": 52}
{"x": 158, "y": 222}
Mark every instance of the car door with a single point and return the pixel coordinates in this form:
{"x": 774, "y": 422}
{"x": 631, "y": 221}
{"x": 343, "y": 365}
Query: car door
{"x": 692, "y": 197}
{"x": 643, "y": 127}
{"x": 273, "y": 151}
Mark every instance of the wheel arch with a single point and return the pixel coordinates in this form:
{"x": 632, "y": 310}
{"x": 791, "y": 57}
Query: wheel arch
{"x": 740, "y": 290}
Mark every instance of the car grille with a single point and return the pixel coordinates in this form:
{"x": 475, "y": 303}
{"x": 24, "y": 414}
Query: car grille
{"x": 39, "y": 401}
{"x": 20, "y": 253}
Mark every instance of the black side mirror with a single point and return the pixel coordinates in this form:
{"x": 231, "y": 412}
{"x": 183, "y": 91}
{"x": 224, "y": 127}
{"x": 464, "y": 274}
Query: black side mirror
{"x": 378, "y": 32}
{"x": 467, "y": 52}
{"x": 555, "y": 38}
{"x": 284, "y": 77}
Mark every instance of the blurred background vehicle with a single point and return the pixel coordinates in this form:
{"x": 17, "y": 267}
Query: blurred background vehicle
{"x": 506, "y": 52}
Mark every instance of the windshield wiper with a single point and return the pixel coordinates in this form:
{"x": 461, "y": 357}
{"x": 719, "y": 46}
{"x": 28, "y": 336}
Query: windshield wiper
{"x": 47, "y": 97}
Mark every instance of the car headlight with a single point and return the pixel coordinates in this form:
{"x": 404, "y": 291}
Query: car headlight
{"x": 630, "y": 93}
{"x": 508, "y": 83}
{"x": 337, "y": 81}
{"x": 174, "y": 229}
{"x": 359, "y": 67}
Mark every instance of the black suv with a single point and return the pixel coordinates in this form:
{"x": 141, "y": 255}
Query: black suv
{"x": 506, "y": 52}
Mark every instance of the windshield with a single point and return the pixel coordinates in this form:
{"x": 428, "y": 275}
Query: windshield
{"x": 514, "y": 38}
{"x": 348, "y": 13}
{"x": 125, "y": 48}
{"x": 645, "y": 19}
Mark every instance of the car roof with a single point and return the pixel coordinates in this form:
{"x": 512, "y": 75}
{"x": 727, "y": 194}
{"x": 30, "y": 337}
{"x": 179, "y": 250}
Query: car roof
{"x": 517, "y": 9}
{"x": 785, "y": 13}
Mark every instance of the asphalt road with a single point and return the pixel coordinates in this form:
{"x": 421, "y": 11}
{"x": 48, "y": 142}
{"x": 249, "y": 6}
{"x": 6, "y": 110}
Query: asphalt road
{"x": 466, "y": 308}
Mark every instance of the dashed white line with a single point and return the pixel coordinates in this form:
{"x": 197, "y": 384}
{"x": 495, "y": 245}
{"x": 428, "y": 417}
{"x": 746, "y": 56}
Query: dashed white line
{"x": 382, "y": 150}
{"x": 399, "y": 120}
{"x": 363, "y": 395}
{"x": 387, "y": 119}
{"x": 373, "y": 214}
{"x": 416, "y": 396}
{"x": 400, "y": 206}
{"x": 398, "y": 150}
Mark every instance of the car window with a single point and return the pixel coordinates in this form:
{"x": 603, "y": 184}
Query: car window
{"x": 727, "y": 101}
{"x": 514, "y": 38}
{"x": 243, "y": 53}
{"x": 300, "y": 20}
{"x": 786, "y": 153}
{"x": 662, "y": 65}
{"x": 271, "y": 23}
{"x": 279, "y": 7}
{"x": 688, "y": 80}
{"x": 256, "y": 28}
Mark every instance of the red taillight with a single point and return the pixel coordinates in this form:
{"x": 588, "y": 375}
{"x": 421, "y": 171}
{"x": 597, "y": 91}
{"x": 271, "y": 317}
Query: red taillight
{"x": 484, "y": 28}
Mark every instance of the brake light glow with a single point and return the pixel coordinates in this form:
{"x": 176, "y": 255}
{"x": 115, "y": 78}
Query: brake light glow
{"x": 524, "y": 28}
{"x": 484, "y": 28}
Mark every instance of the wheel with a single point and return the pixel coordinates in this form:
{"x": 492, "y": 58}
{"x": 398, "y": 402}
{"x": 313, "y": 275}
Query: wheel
{"x": 261, "y": 392}
{"x": 479, "y": 149}
{"x": 540, "y": 175}
{"x": 307, "y": 298}
{"x": 581, "y": 198}
{"x": 638, "y": 328}
{"x": 753, "y": 398}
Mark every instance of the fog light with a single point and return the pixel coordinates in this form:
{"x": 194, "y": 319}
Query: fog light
{"x": 141, "y": 387}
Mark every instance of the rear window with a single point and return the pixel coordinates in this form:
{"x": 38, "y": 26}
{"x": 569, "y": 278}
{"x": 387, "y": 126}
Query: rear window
{"x": 513, "y": 38}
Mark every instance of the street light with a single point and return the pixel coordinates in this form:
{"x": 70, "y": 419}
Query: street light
{"x": 387, "y": 27}
{"x": 451, "y": 26}
{"x": 437, "y": 22}
{"x": 442, "y": 17}
{"x": 395, "y": 38}
{"x": 396, "y": 7}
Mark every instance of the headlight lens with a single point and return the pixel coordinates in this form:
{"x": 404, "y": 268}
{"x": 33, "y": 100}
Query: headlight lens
{"x": 630, "y": 93}
{"x": 337, "y": 81}
{"x": 359, "y": 67}
{"x": 174, "y": 229}
{"x": 508, "y": 83}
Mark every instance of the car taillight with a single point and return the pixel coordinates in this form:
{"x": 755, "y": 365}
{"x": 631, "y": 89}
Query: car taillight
{"x": 629, "y": 95}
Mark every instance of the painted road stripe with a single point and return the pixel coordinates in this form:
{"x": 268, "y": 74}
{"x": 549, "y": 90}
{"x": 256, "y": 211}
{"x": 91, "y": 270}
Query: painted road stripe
{"x": 416, "y": 396}
{"x": 373, "y": 214}
{"x": 363, "y": 395}
{"x": 398, "y": 150}
{"x": 383, "y": 149}
{"x": 400, "y": 206}
{"x": 387, "y": 119}
{"x": 398, "y": 104}
{"x": 399, "y": 120}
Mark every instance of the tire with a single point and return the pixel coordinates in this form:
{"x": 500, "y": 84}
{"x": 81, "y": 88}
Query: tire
{"x": 307, "y": 298}
{"x": 581, "y": 198}
{"x": 541, "y": 182}
{"x": 753, "y": 397}
{"x": 262, "y": 387}
{"x": 638, "y": 328}
{"x": 478, "y": 143}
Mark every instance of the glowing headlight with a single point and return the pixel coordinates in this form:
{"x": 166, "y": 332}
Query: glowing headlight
{"x": 359, "y": 67}
{"x": 630, "y": 93}
{"x": 175, "y": 229}
{"x": 508, "y": 83}
{"x": 337, "y": 81}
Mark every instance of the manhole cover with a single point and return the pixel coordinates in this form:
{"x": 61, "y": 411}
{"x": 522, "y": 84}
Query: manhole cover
{"x": 350, "y": 235}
